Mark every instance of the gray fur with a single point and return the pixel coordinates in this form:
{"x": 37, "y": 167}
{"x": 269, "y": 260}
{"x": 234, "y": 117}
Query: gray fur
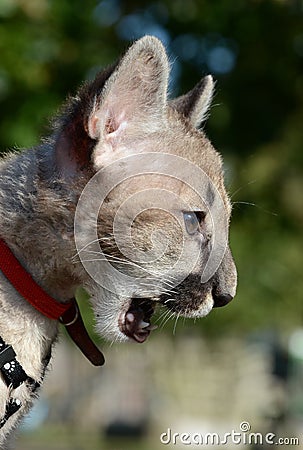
{"x": 40, "y": 188}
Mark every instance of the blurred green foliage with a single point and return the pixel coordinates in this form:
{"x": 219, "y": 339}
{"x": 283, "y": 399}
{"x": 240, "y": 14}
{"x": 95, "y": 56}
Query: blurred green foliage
{"x": 254, "y": 48}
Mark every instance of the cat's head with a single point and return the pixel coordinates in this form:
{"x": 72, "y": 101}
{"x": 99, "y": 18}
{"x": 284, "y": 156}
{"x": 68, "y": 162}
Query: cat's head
{"x": 151, "y": 225}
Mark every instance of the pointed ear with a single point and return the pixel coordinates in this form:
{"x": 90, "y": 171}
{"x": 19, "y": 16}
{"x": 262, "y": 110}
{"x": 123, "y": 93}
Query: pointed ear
{"x": 134, "y": 97}
{"x": 125, "y": 99}
{"x": 195, "y": 104}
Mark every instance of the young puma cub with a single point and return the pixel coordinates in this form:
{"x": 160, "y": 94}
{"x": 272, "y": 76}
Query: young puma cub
{"x": 127, "y": 199}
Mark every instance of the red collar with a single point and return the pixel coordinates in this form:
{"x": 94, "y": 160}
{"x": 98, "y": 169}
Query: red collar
{"x": 67, "y": 313}
{"x": 27, "y": 287}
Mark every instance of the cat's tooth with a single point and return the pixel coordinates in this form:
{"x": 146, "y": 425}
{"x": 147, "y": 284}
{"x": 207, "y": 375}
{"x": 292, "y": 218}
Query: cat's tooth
{"x": 151, "y": 327}
{"x": 143, "y": 324}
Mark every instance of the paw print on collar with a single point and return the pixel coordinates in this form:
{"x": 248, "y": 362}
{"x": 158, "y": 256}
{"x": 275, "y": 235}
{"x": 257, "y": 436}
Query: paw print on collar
{"x": 10, "y": 366}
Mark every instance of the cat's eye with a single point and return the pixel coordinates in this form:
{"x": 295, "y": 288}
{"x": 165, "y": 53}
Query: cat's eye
{"x": 192, "y": 220}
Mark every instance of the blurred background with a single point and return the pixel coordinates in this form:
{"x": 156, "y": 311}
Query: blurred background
{"x": 243, "y": 362}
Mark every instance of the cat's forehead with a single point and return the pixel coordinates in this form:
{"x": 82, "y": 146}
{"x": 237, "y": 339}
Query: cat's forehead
{"x": 163, "y": 192}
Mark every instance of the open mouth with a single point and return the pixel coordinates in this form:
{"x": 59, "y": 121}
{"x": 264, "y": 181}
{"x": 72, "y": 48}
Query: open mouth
{"x": 135, "y": 323}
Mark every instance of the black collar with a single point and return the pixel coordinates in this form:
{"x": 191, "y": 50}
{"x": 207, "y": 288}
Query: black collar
{"x": 13, "y": 375}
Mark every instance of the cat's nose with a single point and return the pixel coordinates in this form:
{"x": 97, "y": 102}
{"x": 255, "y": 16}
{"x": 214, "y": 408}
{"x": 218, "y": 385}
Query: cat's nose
{"x": 221, "y": 300}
